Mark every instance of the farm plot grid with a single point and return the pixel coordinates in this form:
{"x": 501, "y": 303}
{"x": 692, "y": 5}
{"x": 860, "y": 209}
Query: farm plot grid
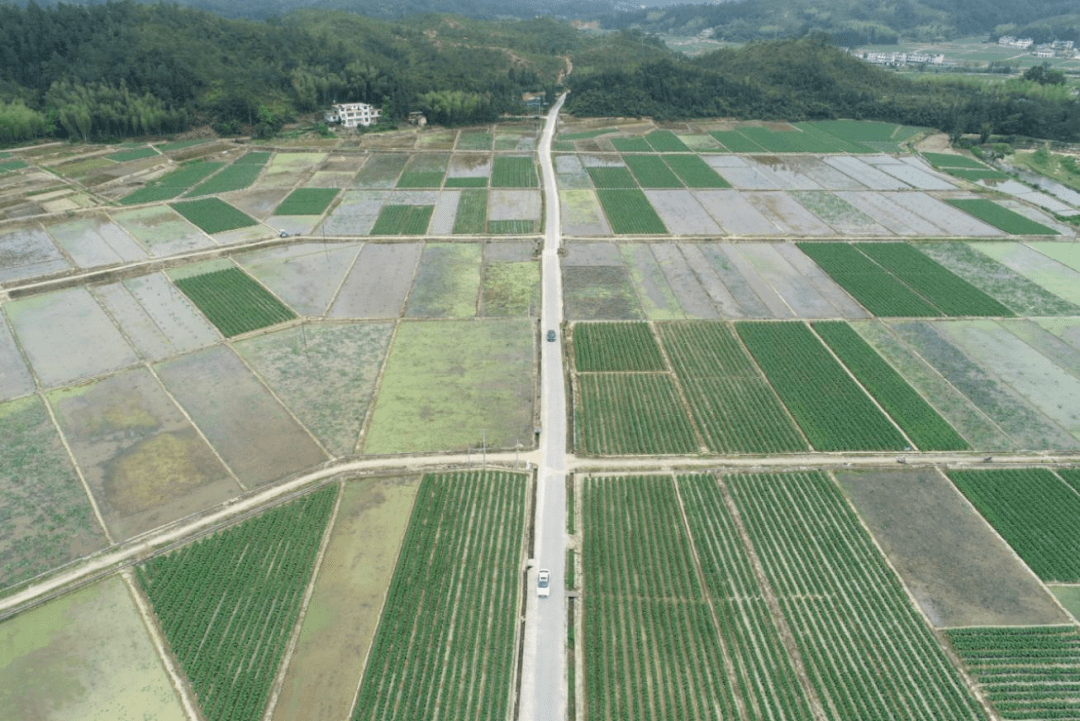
{"x": 445, "y": 644}
{"x": 228, "y": 604}
{"x": 761, "y": 595}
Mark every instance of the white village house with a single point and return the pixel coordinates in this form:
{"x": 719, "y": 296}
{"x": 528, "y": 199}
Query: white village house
{"x": 349, "y": 115}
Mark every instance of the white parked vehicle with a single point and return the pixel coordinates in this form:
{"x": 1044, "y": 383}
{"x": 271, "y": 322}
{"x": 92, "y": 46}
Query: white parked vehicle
{"x": 543, "y": 583}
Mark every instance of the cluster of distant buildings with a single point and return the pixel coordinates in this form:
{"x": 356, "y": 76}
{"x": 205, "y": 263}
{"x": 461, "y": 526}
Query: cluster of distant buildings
{"x": 349, "y": 115}
{"x": 900, "y": 58}
{"x": 1056, "y": 49}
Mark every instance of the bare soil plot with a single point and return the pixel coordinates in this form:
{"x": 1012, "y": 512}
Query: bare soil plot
{"x": 447, "y": 382}
{"x": 325, "y": 373}
{"x": 356, "y": 213}
{"x": 1049, "y": 388}
{"x": 896, "y": 218}
{"x": 379, "y": 282}
{"x": 1045, "y": 343}
{"x": 960, "y": 572}
{"x": 582, "y": 214}
{"x": 915, "y": 177}
{"x": 744, "y": 176}
{"x": 444, "y": 216}
{"x": 684, "y": 282}
{"x": 599, "y": 293}
{"x": 345, "y": 606}
{"x": 144, "y": 462}
{"x": 942, "y": 215}
{"x": 27, "y": 253}
{"x": 783, "y": 172}
{"x": 96, "y": 241}
{"x": 514, "y": 205}
{"x": 847, "y": 306}
{"x": 15, "y": 377}
{"x": 50, "y": 325}
{"x": 592, "y": 254}
{"x": 448, "y": 282}
{"x": 48, "y": 520}
{"x": 681, "y": 212}
{"x": 658, "y": 301}
{"x": 734, "y": 213}
{"x": 786, "y": 213}
{"x": 288, "y": 169}
{"x": 1064, "y": 253}
{"x": 570, "y": 173}
{"x": 1029, "y": 428}
{"x": 865, "y": 173}
{"x": 748, "y": 289}
{"x": 250, "y": 430}
{"x": 381, "y": 170}
{"x": 1059, "y": 279}
{"x": 1021, "y": 295}
{"x": 84, "y": 656}
{"x": 596, "y": 160}
{"x": 797, "y": 292}
{"x": 163, "y": 230}
{"x": 306, "y": 276}
{"x": 1041, "y": 218}
{"x": 714, "y": 283}
{"x": 259, "y": 203}
{"x": 1069, "y": 597}
{"x": 1068, "y": 329}
{"x": 468, "y": 169}
{"x": 510, "y": 289}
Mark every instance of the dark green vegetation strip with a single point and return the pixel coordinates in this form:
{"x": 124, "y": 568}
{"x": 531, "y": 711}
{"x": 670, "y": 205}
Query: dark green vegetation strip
{"x": 948, "y": 291}
{"x": 976, "y": 175}
{"x": 403, "y": 220}
{"x": 307, "y": 201}
{"x": 233, "y": 301}
{"x": 173, "y": 184}
{"x": 651, "y": 172}
{"x": 734, "y": 408}
{"x": 588, "y": 134}
{"x": 629, "y": 212}
{"x": 237, "y": 176}
{"x": 736, "y": 142}
{"x": 878, "y": 290}
{"x": 511, "y": 227}
{"x": 213, "y": 215}
{"x": 948, "y": 160}
{"x": 616, "y": 347}
{"x": 466, "y": 182}
{"x": 922, "y": 424}
{"x": 471, "y": 213}
{"x": 128, "y": 155}
{"x": 632, "y": 145}
{"x": 1032, "y": 509}
{"x": 632, "y": 414}
{"x": 866, "y": 650}
{"x": 665, "y": 141}
{"x": 228, "y": 604}
{"x": 833, "y": 412}
{"x": 1026, "y": 673}
{"x": 612, "y": 178}
{"x": 421, "y": 179}
{"x": 9, "y": 165}
{"x": 999, "y": 217}
{"x": 447, "y": 630}
{"x": 695, "y": 172}
{"x": 514, "y": 172}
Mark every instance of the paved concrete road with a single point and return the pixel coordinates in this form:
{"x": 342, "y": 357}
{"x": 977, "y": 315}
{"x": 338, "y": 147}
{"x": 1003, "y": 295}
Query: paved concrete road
{"x": 543, "y": 687}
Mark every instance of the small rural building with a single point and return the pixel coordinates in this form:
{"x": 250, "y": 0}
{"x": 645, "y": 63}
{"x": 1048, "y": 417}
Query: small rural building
{"x": 349, "y": 115}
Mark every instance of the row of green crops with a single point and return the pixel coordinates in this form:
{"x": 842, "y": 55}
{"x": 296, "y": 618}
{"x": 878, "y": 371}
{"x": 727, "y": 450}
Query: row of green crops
{"x": 241, "y": 174}
{"x": 213, "y": 215}
{"x": 511, "y": 227}
{"x": 922, "y": 424}
{"x": 665, "y": 141}
{"x": 227, "y": 604}
{"x": 466, "y": 182}
{"x": 233, "y": 301}
{"x": 126, "y": 156}
{"x": 1001, "y": 218}
{"x": 656, "y": 171}
{"x": 421, "y": 179}
{"x": 514, "y": 172}
{"x": 1034, "y": 511}
{"x": 833, "y": 412}
{"x": 474, "y": 141}
{"x": 651, "y": 172}
{"x": 444, "y": 648}
{"x": 1026, "y": 673}
{"x": 612, "y": 177}
{"x": 629, "y": 212}
{"x": 695, "y": 172}
{"x": 403, "y": 220}
{"x": 471, "y": 213}
{"x": 173, "y": 184}
{"x": 307, "y": 201}
{"x": 616, "y": 347}
{"x": 963, "y": 167}
{"x": 631, "y": 413}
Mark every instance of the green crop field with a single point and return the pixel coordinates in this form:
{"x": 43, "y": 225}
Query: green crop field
{"x": 950, "y": 160}
{"x": 616, "y": 347}
{"x": 474, "y": 141}
{"x": 650, "y": 170}
{"x": 732, "y": 405}
{"x": 999, "y": 217}
{"x": 632, "y": 145}
{"x": 228, "y": 604}
{"x": 631, "y": 414}
{"x": 736, "y": 142}
{"x": 976, "y": 175}
{"x": 403, "y": 220}
{"x": 233, "y": 301}
{"x": 172, "y": 185}
{"x": 514, "y": 172}
{"x": 665, "y": 141}
{"x": 877, "y": 289}
{"x": 695, "y": 172}
{"x": 830, "y": 142}
{"x": 213, "y": 215}
{"x": 421, "y": 179}
{"x": 466, "y": 182}
{"x": 833, "y": 412}
{"x": 946, "y": 290}
{"x": 791, "y": 141}
{"x": 125, "y": 156}
{"x": 471, "y": 213}
{"x": 307, "y": 201}
{"x": 241, "y": 174}
{"x": 588, "y": 134}
{"x": 612, "y": 178}
{"x": 511, "y": 227}
{"x": 8, "y": 166}
{"x": 922, "y": 424}
{"x": 446, "y": 636}
{"x": 1026, "y": 673}
{"x": 1035, "y": 511}
{"x": 629, "y": 212}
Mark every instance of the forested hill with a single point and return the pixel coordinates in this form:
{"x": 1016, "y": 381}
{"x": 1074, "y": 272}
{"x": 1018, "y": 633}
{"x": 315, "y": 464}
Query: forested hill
{"x": 125, "y": 69}
{"x": 855, "y": 22}
{"x": 809, "y": 78}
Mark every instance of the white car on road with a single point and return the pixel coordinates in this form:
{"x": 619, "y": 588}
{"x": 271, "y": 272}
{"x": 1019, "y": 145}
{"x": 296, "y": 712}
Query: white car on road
{"x": 543, "y": 583}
